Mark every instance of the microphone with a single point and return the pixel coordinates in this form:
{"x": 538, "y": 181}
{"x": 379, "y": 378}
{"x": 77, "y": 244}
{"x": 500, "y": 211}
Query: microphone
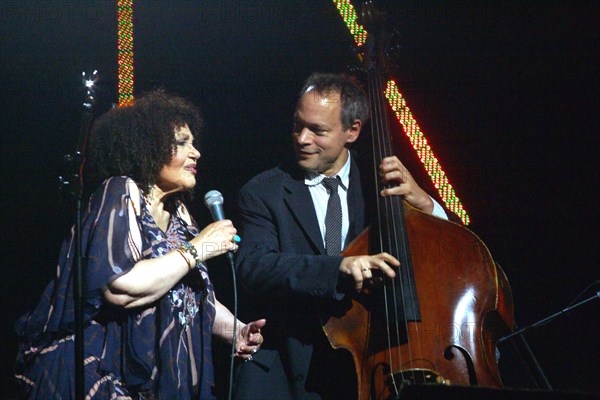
{"x": 214, "y": 201}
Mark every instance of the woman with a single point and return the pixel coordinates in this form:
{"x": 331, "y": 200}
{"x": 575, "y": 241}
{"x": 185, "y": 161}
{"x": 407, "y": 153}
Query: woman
{"x": 150, "y": 309}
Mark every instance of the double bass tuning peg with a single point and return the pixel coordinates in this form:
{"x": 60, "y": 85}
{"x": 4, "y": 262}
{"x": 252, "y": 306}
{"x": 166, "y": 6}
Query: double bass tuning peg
{"x": 392, "y": 53}
{"x": 359, "y": 75}
{"x": 356, "y": 69}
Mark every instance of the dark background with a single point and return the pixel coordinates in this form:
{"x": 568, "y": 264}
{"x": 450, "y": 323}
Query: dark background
{"x": 505, "y": 91}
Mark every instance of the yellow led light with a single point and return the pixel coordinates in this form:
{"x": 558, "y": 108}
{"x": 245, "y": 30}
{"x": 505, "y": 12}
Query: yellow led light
{"x": 125, "y": 50}
{"x": 410, "y": 126}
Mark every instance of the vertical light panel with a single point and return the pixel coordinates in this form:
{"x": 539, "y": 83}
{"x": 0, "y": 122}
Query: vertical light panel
{"x": 419, "y": 143}
{"x": 406, "y": 119}
{"x": 125, "y": 47}
{"x": 348, "y": 13}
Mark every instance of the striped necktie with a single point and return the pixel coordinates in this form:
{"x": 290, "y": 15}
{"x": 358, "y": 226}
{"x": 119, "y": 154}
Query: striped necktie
{"x": 333, "y": 218}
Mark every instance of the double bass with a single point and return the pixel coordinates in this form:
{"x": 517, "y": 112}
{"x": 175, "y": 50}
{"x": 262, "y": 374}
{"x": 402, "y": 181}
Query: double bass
{"x": 439, "y": 320}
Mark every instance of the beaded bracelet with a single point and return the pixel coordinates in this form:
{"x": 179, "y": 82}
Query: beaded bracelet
{"x": 187, "y": 246}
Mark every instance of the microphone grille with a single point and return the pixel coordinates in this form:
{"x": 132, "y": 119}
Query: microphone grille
{"x": 213, "y": 197}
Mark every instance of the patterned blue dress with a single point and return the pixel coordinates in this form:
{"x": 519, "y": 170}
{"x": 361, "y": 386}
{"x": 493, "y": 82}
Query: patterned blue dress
{"x": 161, "y": 351}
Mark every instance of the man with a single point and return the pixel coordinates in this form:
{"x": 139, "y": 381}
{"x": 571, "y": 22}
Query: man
{"x": 288, "y": 265}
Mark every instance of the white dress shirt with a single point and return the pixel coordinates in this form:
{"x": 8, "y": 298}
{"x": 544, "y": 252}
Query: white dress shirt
{"x": 320, "y": 197}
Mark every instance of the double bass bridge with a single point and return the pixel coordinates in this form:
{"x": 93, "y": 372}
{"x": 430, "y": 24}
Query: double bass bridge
{"x": 415, "y": 376}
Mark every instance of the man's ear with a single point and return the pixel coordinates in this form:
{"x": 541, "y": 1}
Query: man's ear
{"x": 354, "y": 131}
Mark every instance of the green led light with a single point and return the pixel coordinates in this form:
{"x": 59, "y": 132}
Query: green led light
{"x": 125, "y": 50}
{"x": 349, "y": 16}
{"x": 410, "y": 126}
{"x": 419, "y": 143}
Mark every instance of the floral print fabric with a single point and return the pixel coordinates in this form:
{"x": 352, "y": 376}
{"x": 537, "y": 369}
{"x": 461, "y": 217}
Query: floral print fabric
{"x": 161, "y": 351}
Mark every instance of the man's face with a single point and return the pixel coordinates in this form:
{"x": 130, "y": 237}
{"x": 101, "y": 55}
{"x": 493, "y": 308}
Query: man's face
{"x": 319, "y": 137}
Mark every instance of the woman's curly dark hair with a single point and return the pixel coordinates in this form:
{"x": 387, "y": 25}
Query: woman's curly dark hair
{"x": 137, "y": 140}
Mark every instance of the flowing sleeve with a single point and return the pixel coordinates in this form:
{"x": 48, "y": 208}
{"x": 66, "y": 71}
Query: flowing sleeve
{"x": 111, "y": 243}
{"x": 112, "y": 234}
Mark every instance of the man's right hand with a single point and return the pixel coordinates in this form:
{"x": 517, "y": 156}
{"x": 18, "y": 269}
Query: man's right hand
{"x": 360, "y": 267}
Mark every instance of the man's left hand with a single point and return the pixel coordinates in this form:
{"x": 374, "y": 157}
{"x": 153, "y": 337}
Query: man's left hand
{"x": 392, "y": 171}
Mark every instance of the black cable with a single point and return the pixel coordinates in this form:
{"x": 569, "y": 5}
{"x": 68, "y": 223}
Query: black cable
{"x": 584, "y": 291}
{"x": 189, "y": 236}
{"x": 528, "y": 358}
{"x": 523, "y": 349}
{"x": 553, "y": 316}
{"x": 235, "y": 306}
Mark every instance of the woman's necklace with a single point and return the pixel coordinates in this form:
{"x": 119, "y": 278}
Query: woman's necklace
{"x": 148, "y": 196}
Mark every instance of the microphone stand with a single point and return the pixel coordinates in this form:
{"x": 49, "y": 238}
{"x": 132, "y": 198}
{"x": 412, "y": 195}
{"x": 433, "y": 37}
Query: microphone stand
{"x": 73, "y": 185}
{"x": 523, "y": 347}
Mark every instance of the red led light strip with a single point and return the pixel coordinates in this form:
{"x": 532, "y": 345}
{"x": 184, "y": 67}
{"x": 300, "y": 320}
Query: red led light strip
{"x": 406, "y": 119}
{"x": 125, "y": 47}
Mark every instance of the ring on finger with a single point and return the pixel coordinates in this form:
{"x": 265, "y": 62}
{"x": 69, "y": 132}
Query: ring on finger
{"x": 366, "y": 269}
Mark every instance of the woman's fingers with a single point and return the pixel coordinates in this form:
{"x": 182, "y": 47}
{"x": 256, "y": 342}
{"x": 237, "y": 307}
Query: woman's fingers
{"x": 216, "y": 239}
{"x": 250, "y": 339}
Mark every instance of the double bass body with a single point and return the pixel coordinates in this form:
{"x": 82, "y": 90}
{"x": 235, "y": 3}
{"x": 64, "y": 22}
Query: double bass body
{"x": 465, "y": 306}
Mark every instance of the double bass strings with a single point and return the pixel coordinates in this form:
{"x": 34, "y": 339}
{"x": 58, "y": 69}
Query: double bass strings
{"x": 390, "y": 209}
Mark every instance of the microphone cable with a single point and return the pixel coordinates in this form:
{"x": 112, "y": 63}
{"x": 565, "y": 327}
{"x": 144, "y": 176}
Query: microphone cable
{"x": 235, "y": 319}
{"x": 189, "y": 235}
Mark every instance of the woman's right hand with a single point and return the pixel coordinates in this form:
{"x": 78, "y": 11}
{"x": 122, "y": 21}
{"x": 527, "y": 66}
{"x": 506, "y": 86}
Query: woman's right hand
{"x": 215, "y": 239}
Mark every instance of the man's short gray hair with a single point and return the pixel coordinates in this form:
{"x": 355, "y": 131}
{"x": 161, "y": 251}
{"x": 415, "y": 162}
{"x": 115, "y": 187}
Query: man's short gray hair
{"x": 354, "y": 101}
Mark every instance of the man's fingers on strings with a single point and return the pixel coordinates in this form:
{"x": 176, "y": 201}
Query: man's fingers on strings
{"x": 380, "y": 264}
{"x": 358, "y": 279}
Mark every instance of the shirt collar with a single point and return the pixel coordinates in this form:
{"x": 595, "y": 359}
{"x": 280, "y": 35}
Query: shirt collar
{"x": 312, "y": 179}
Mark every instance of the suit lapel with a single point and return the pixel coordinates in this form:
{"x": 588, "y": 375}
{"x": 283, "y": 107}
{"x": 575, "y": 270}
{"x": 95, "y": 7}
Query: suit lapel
{"x": 355, "y": 204}
{"x": 299, "y": 202}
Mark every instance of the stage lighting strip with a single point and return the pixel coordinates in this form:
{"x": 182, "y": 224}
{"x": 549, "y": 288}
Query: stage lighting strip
{"x": 125, "y": 46}
{"x": 405, "y": 117}
{"x": 349, "y": 15}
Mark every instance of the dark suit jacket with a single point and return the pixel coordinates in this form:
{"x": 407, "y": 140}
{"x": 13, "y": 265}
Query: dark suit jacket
{"x": 286, "y": 277}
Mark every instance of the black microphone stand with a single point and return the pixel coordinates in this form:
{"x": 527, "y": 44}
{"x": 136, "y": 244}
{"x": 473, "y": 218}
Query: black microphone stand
{"x": 520, "y": 343}
{"x": 73, "y": 184}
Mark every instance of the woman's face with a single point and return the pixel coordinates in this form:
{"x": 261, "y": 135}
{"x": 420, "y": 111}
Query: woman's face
{"x": 180, "y": 173}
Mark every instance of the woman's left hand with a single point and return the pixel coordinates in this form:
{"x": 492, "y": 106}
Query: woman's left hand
{"x": 249, "y": 340}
